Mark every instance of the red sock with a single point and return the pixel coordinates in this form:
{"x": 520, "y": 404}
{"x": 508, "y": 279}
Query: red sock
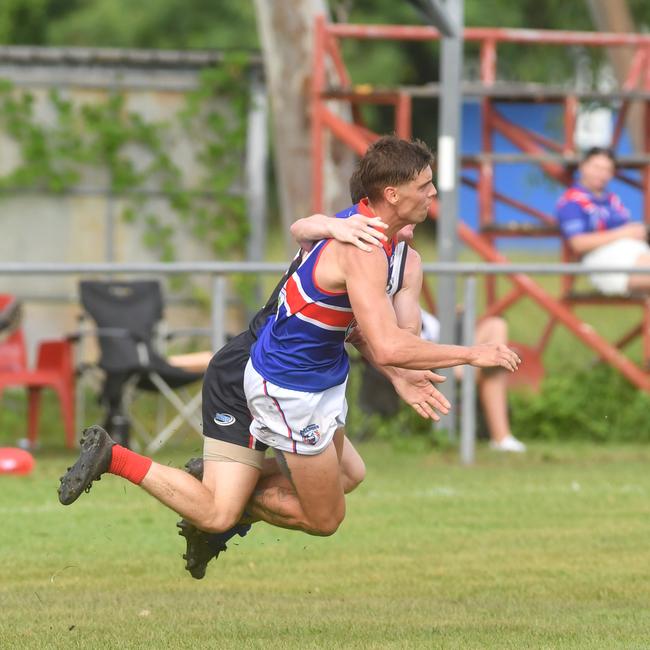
{"x": 129, "y": 465}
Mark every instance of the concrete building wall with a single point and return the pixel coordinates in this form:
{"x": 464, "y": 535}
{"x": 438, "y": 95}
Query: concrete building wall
{"x": 85, "y": 225}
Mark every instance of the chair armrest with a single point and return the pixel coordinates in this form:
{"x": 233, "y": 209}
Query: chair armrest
{"x": 103, "y": 332}
{"x": 186, "y": 332}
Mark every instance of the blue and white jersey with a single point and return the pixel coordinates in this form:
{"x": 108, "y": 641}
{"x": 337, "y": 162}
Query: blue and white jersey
{"x": 302, "y": 346}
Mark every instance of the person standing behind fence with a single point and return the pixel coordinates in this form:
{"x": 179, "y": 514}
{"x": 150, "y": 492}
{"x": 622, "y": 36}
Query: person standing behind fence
{"x": 599, "y": 228}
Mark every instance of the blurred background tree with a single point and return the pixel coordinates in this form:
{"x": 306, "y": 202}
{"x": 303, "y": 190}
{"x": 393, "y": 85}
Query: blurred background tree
{"x": 180, "y": 24}
{"x": 173, "y": 24}
{"x": 231, "y": 24}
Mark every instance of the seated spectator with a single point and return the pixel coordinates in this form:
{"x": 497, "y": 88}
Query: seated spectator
{"x": 599, "y": 229}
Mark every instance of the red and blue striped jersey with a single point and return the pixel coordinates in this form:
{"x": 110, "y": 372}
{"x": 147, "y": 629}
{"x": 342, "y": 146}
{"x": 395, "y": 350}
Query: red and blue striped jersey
{"x": 302, "y": 346}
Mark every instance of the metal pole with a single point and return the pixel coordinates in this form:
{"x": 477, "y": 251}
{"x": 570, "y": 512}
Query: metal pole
{"x": 109, "y": 254}
{"x": 468, "y": 415}
{"x": 218, "y": 311}
{"x": 110, "y": 201}
{"x": 451, "y": 64}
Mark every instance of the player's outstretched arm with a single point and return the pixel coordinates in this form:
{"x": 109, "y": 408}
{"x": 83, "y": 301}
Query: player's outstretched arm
{"x": 415, "y": 387}
{"x": 389, "y": 345}
{"x": 362, "y": 232}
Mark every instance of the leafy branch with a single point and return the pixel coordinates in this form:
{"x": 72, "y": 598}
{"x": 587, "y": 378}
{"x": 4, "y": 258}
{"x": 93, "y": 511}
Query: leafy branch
{"x": 133, "y": 156}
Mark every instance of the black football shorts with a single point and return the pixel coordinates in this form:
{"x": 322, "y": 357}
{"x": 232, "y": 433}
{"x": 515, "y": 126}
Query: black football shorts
{"x": 225, "y": 412}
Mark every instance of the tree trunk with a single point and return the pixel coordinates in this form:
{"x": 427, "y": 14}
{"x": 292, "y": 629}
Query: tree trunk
{"x": 286, "y": 35}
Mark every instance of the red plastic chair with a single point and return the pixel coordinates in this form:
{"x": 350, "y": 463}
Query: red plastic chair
{"x": 54, "y": 369}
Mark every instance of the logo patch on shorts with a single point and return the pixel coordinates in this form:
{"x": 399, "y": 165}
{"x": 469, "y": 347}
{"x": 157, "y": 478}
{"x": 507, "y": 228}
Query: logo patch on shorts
{"x": 224, "y": 419}
{"x": 310, "y": 434}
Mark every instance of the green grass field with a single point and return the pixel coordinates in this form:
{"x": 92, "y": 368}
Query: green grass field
{"x": 550, "y": 550}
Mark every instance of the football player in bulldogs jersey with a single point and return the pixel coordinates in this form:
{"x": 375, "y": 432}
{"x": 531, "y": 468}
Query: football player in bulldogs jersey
{"x": 296, "y": 377}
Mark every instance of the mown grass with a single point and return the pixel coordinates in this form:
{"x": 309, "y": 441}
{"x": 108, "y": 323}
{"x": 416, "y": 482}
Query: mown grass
{"x": 549, "y": 550}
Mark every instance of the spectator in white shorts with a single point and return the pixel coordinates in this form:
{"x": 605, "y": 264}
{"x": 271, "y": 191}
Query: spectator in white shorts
{"x": 599, "y": 229}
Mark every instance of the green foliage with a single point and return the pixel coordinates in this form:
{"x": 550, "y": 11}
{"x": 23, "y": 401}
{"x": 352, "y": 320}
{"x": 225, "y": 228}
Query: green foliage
{"x": 175, "y": 24}
{"x": 229, "y": 24}
{"x": 28, "y": 21}
{"x": 596, "y": 404}
{"x": 102, "y": 136}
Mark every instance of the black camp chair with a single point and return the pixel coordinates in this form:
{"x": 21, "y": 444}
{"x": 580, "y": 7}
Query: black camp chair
{"x": 126, "y": 315}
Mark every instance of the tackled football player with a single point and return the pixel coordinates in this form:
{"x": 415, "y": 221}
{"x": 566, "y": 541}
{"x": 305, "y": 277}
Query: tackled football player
{"x": 223, "y": 479}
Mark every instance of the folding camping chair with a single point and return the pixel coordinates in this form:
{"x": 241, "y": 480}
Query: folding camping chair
{"x": 126, "y": 315}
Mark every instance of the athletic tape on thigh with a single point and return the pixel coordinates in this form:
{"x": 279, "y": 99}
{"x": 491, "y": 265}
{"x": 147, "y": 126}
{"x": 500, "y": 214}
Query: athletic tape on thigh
{"x": 226, "y": 452}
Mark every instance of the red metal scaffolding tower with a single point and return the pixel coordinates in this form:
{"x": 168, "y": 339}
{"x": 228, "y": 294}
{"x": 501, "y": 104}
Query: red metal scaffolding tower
{"x": 556, "y": 158}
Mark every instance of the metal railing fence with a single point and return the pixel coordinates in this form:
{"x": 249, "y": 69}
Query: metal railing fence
{"x": 221, "y": 270}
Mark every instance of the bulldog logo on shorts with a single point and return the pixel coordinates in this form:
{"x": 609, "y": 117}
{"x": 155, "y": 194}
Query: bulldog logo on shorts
{"x": 224, "y": 419}
{"x": 310, "y": 434}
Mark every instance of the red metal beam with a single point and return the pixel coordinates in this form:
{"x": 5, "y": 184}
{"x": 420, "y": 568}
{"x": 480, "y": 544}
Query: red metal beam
{"x": 488, "y": 63}
{"x": 545, "y": 218}
{"x": 488, "y": 58}
{"x": 334, "y": 51}
{"x": 520, "y": 138}
{"x": 543, "y": 140}
{"x": 358, "y": 139}
{"x": 353, "y": 136}
{"x": 627, "y": 338}
{"x": 560, "y": 312}
{"x": 503, "y": 303}
{"x": 571, "y": 106}
{"x": 498, "y": 34}
{"x": 630, "y": 83}
{"x": 629, "y": 181}
{"x": 403, "y": 116}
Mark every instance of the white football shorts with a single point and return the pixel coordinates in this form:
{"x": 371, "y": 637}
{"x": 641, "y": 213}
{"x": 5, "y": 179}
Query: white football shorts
{"x": 291, "y": 420}
{"x": 622, "y": 252}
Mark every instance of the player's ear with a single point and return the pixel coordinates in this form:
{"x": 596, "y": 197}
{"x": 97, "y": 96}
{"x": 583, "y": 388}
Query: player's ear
{"x": 391, "y": 195}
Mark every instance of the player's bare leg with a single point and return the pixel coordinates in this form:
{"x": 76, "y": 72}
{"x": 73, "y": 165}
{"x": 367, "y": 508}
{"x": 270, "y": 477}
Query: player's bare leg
{"x": 313, "y": 499}
{"x": 214, "y": 505}
{"x": 274, "y": 501}
{"x": 353, "y": 469}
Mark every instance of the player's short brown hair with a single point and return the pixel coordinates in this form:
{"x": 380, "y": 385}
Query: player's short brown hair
{"x": 357, "y": 190}
{"x": 391, "y": 161}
